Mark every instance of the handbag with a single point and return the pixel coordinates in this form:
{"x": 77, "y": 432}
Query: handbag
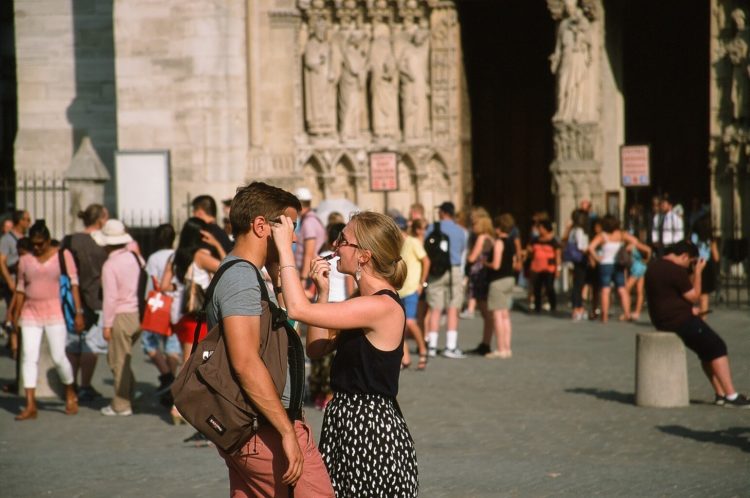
{"x": 66, "y": 294}
{"x": 194, "y": 297}
{"x": 206, "y": 391}
{"x": 623, "y": 258}
{"x": 156, "y": 317}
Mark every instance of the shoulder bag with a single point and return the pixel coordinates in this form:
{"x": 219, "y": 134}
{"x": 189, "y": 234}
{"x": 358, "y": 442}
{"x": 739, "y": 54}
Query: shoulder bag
{"x": 207, "y": 392}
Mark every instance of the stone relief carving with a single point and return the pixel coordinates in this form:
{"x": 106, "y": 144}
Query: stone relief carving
{"x": 352, "y": 81}
{"x": 320, "y": 81}
{"x": 571, "y": 63}
{"x": 383, "y": 84}
{"x": 372, "y": 70}
{"x": 575, "y": 142}
{"x": 737, "y": 53}
{"x": 414, "y": 69}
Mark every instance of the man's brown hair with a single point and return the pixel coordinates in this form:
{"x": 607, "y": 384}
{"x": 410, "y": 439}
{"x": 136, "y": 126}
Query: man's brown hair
{"x": 258, "y": 199}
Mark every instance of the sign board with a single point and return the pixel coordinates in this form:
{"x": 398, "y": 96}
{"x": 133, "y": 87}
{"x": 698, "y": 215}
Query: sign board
{"x": 383, "y": 171}
{"x": 635, "y": 166}
{"x": 143, "y": 188}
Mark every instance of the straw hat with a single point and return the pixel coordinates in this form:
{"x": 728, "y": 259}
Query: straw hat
{"x": 113, "y": 233}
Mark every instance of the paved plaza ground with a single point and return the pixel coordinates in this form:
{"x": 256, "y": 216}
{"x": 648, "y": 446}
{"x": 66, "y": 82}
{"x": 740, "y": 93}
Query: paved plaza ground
{"x": 558, "y": 419}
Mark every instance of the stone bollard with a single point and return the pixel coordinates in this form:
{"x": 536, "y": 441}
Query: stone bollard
{"x": 48, "y": 384}
{"x": 660, "y": 370}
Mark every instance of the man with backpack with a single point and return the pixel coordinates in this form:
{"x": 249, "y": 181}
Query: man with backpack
{"x": 271, "y": 461}
{"x": 445, "y": 245}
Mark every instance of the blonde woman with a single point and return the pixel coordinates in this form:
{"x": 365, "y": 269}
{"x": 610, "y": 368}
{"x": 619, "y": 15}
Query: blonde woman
{"x": 479, "y": 286}
{"x": 367, "y": 332}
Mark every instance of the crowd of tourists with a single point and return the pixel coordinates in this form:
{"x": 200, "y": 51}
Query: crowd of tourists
{"x": 357, "y": 287}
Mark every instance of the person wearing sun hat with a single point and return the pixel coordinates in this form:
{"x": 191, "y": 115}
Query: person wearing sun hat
{"x": 120, "y": 308}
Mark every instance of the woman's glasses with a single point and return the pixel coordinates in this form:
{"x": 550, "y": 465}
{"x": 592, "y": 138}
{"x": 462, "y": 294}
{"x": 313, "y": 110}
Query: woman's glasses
{"x": 341, "y": 242}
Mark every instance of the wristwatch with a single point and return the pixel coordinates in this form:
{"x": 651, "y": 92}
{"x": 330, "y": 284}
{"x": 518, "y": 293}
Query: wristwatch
{"x": 424, "y": 285}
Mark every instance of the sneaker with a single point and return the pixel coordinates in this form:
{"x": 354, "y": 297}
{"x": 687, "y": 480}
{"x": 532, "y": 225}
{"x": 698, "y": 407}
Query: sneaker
{"x": 466, "y": 315}
{"x": 86, "y": 394}
{"x": 432, "y": 352}
{"x": 481, "y": 350}
{"x": 454, "y": 353}
{"x": 740, "y": 401}
{"x": 719, "y": 400}
{"x": 108, "y": 411}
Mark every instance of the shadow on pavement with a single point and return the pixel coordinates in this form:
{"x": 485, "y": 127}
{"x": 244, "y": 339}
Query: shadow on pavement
{"x": 738, "y": 437}
{"x": 608, "y": 395}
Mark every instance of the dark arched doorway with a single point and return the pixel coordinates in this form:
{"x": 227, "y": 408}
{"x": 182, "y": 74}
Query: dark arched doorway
{"x": 506, "y": 46}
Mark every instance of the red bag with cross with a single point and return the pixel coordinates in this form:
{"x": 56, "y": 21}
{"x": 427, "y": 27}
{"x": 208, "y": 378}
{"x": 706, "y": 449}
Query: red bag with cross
{"x": 157, "y": 313}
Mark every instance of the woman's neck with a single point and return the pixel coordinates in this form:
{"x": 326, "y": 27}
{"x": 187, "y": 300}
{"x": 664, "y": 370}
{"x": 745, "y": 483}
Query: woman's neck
{"x": 370, "y": 284}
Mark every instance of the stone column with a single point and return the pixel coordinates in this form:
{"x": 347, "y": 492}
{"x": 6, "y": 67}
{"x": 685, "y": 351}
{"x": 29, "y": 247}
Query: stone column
{"x": 576, "y": 63}
{"x": 85, "y": 178}
{"x": 729, "y": 121}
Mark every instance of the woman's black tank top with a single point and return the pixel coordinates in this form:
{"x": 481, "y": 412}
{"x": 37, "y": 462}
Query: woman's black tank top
{"x": 361, "y": 368}
{"x": 506, "y": 261}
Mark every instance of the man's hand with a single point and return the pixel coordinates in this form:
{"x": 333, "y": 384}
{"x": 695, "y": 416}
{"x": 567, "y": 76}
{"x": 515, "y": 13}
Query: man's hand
{"x": 293, "y": 456}
{"x": 107, "y": 333}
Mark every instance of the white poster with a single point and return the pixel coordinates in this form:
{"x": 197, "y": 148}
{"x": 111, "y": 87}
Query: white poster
{"x": 143, "y": 187}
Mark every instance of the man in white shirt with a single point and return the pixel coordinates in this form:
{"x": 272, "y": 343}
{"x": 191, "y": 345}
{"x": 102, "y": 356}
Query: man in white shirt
{"x": 668, "y": 227}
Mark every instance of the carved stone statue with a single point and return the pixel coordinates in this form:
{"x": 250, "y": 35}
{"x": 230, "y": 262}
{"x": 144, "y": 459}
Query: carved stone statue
{"x": 737, "y": 52}
{"x": 320, "y": 82}
{"x": 352, "y": 82}
{"x": 571, "y": 62}
{"x": 414, "y": 65}
{"x": 383, "y": 84}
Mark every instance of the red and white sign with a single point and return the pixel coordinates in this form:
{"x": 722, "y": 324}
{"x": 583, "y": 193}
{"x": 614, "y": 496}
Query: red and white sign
{"x": 635, "y": 166}
{"x": 383, "y": 171}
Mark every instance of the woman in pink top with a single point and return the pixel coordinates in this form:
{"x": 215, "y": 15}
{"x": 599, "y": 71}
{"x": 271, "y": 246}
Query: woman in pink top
{"x": 40, "y": 308}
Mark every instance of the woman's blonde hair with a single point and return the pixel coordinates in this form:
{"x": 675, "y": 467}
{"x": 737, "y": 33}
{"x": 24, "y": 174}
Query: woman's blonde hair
{"x": 379, "y": 234}
{"x": 484, "y": 226}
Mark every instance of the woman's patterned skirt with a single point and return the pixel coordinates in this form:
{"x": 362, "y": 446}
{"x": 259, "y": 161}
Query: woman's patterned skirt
{"x": 367, "y": 448}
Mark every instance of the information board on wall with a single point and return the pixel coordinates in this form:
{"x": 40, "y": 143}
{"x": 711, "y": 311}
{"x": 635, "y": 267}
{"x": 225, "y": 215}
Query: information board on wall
{"x": 143, "y": 193}
{"x": 635, "y": 166}
{"x": 383, "y": 171}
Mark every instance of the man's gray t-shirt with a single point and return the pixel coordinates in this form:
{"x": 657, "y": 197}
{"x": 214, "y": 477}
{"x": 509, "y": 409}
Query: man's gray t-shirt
{"x": 237, "y": 293}
{"x": 9, "y": 247}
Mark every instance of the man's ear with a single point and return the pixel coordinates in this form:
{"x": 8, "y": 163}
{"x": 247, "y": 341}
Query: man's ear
{"x": 260, "y": 227}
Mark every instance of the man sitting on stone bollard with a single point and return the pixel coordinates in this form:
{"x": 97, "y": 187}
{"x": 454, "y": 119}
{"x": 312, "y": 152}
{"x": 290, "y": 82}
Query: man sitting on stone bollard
{"x": 672, "y": 305}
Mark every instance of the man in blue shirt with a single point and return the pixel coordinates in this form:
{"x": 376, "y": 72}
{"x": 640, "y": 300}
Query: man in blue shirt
{"x": 446, "y": 291}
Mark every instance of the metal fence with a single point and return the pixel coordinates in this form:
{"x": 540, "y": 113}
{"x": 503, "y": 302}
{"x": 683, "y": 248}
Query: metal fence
{"x": 47, "y": 196}
{"x": 44, "y": 196}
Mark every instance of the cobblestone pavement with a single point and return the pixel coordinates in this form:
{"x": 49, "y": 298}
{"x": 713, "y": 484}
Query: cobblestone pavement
{"x": 556, "y": 419}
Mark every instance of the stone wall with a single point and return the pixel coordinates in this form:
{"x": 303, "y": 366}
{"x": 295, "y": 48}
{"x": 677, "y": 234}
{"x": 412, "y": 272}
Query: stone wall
{"x": 181, "y": 87}
{"x": 66, "y": 83}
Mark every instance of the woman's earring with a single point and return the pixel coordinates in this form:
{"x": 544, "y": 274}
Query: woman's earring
{"x": 358, "y": 273}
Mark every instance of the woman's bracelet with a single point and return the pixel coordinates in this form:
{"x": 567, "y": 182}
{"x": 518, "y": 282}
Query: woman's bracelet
{"x": 287, "y": 266}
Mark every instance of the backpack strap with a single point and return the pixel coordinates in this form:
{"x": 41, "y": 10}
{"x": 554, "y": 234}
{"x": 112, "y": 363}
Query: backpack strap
{"x": 209, "y": 296}
{"x": 63, "y": 266}
{"x": 295, "y": 351}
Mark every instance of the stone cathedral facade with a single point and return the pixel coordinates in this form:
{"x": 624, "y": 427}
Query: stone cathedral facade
{"x": 301, "y": 92}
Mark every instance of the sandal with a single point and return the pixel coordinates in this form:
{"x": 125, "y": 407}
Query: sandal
{"x": 422, "y": 362}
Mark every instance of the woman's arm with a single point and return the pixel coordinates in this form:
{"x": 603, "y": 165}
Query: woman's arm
{"x": 209, "y": 239}
{"x": 593, "y": 245}
{"x": 477, "y": 249}
{"x": 374, "y": 313}
{"x": 166, "y": 283}
{"x": 205, "y": 261}
{"x": 714, "y": 250}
